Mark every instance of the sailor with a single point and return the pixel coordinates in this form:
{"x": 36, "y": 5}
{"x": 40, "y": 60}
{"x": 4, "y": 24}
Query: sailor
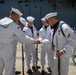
{"x": 63, "y": 40}
{"x": 45, "y": 38}
{"x": 31, "y": 31}
{"x": 8, "y": 29}
{"x": 22, "y": 23}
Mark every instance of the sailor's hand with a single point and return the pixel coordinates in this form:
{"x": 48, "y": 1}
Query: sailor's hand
{"x": 59, "y": 53}
{"x": 37, "y": 41}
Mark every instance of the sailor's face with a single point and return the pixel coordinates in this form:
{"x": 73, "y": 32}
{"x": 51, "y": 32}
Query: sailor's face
{"x": 15, "y": 17}
{"x": 45, "y": 23}
{"x": 50, "y": 21}
{"x": 30, "y": 23}
{"x": 20, "y": 24}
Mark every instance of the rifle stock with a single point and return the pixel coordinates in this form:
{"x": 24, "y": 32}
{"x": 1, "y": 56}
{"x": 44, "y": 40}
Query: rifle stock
{"x": 58, "y": 57}
{"x": 37, "y": 51}
{"x": 58, "y": 65}
{"x": 22, "y": 60}
{"x": 36, "y": 55}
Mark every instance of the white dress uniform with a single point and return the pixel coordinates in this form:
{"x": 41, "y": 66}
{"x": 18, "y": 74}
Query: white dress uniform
{"x": 45, "y": 38}
{"x": 30, "y": 48}
{"x": 9, "y": 29}
{"x": 64, "y": 43}
{"x": 15, "y": 42}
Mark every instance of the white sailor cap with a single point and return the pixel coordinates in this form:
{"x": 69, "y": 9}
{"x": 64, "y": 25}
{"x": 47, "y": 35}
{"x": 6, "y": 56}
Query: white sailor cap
{"x": 43, "y": 19}
{"x": 16, "y": 11}
{"x": 30, "y": 18}
{"x": 50, "y": 15}
{"x": 23, "y": 21}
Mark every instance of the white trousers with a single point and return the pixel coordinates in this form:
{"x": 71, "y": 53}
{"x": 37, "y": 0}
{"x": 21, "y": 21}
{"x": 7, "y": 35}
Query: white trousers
{"x": 64, "y": 65}
{"x": 1, "y": 66}
{"x": 30, "y": 50}
{"x": 7, "y": 59}
{"x": 50, "y": 54}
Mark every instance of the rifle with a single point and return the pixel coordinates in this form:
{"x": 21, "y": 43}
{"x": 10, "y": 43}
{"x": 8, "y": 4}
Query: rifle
{"x": 58, "y": 65}
{"x": 22, "y": 60}
{"x": 36, "y": 55}
{"x": 58, "y": 57}
{"x": 37, "y": 67}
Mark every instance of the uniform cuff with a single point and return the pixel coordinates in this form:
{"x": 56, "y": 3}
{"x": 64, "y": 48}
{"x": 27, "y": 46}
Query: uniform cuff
{"x": 64, "y": 51}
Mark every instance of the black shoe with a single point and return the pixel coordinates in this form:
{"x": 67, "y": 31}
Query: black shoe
{"x": 29, "y": 71}
{"x": 49, "y": 70}
{"x": 33, "y": 68}
{"x": 38, "y": 67}
{"x": 17, "y": 72}
{"x": 43, "y": 72}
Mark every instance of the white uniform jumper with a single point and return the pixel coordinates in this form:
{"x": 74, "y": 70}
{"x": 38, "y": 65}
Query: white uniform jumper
{"x": 9, "y": 29}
